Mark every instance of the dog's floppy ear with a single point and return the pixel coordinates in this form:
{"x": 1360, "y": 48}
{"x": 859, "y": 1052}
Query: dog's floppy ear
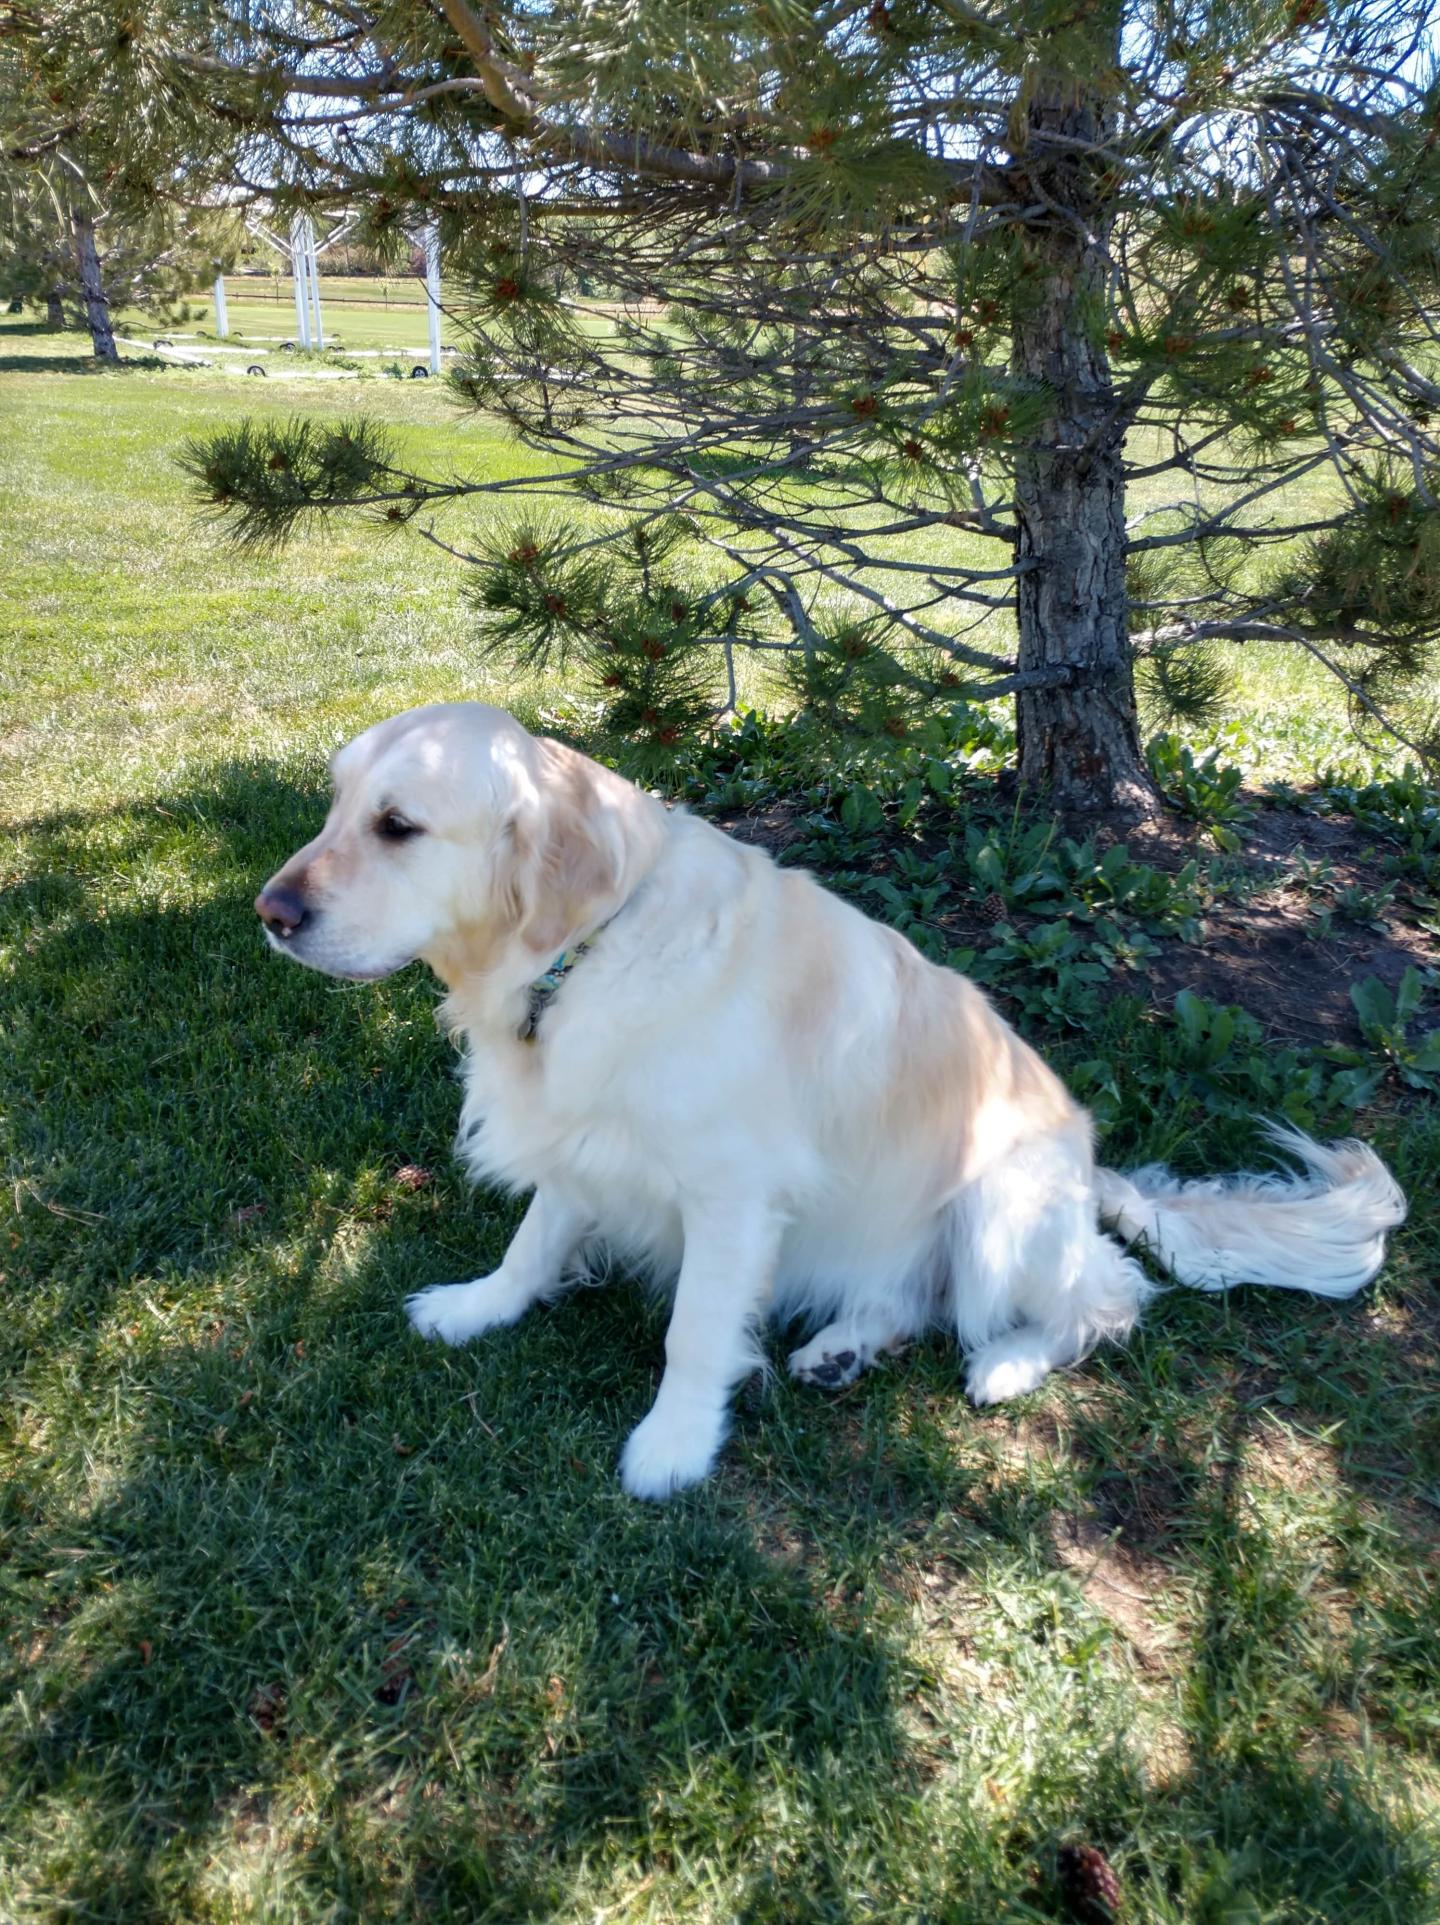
{"x": 567, "y": 862}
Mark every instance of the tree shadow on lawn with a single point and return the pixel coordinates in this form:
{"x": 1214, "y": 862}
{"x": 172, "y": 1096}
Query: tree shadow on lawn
{"x": 306, "y": 1609}
{"x": 77, "y": 360}
{"x": 1142, "y": 1524}
{"x": 59, "y": 364}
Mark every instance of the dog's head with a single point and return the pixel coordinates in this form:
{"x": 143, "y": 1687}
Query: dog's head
{"x": 454, "y": 835}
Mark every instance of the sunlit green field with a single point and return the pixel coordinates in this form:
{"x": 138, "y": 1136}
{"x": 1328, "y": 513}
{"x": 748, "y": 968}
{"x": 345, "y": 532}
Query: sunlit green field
{"x": 304, "y": 1620}
{"x": 137, "y": 634}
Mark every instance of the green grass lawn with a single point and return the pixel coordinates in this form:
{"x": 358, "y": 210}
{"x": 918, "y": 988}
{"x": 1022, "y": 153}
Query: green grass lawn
{"x": 305, "y": 1620}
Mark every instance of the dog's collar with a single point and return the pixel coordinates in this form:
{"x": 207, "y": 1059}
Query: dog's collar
{"x": 544, "y": 987}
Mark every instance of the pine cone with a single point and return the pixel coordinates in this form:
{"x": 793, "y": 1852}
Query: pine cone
{"x": 993, "y": 909}
{"x": 1088, "y": 1885}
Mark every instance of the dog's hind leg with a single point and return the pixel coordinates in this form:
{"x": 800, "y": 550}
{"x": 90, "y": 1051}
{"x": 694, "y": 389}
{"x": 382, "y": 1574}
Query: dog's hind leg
{"x": 1098, "y": 1293}
{"x": 533, "y": 1268}
{"x": 1035, "y": 1283}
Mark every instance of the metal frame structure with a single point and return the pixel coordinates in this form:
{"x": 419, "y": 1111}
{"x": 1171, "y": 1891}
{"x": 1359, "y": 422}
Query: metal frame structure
{"x": 432, "y": 291}
{"x": 303, "y": 253}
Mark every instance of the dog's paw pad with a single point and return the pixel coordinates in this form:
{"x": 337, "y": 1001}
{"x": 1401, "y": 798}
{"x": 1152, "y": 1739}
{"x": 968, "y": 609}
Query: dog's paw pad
{"x": 827, "y": 1369}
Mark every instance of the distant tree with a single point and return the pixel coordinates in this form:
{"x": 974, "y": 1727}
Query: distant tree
{"x": 37, "y": 257}
{"x": 81, "y": 264}
{"x": 964, "y": 349}
{"x": 97, "y": 206}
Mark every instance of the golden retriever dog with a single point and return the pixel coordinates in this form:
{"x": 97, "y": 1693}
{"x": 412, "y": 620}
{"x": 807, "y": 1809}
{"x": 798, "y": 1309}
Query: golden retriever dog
{"x": 735, "y": 1082}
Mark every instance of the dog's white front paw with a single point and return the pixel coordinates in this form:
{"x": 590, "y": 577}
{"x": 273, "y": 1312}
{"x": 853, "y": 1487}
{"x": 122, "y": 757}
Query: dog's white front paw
{"x": 455, "y": 1312}
{"x": 669, "y": 1450}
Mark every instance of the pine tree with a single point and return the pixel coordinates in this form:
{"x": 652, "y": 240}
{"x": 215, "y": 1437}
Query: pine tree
{"x": 953, "y": 350}
{"x": 37, "y": 259}
{"x": 99, "y": 187}
{"x": 80, "y": 264}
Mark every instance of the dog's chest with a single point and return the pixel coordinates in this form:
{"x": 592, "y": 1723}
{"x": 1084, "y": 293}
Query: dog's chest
{"x": 527, "y": 1121}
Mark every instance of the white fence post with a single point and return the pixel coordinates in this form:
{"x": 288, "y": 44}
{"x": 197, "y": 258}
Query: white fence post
{"x": 222, "y": 315}
{"x": 312, "y": 265}
{"x": 432, "y": 291}
{"x": 297, "y": 273}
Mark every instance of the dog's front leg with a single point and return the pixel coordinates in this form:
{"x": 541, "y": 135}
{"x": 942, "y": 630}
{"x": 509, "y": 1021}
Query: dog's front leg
{"x": 533, "y": 1267}
{"x": 725, "y": 1276}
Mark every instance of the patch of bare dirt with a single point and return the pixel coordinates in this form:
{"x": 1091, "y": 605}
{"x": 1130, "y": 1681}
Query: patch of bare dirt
{"x": 1267, "y": 957}
{"x": 1289, "y": 1460}
{"x": 1275, "y": 954}
{"x": 1121, "y": 1583}
{"x": 773, "y": 827}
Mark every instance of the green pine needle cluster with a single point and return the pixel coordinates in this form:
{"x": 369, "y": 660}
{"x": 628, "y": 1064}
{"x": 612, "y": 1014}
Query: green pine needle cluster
{"x": 267, "y": 476}
{"x": 632, "y": 635}
{"x": 1376, "y": 573}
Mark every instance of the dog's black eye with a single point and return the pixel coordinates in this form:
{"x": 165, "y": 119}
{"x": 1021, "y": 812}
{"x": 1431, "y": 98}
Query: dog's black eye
{"x": 393, "y": 826}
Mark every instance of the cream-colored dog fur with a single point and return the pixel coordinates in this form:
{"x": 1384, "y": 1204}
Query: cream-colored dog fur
{"x": 751, "y": 1091}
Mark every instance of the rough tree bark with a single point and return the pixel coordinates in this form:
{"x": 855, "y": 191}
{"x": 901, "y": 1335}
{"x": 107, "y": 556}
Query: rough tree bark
{"x": 54, "y": 308}
{"x": 1081, "y": 740}
{"x": 92, "y": 288}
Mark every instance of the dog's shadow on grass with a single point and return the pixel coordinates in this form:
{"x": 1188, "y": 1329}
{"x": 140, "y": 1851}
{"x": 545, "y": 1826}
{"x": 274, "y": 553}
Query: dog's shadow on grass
{"x": 316, "y": 1615}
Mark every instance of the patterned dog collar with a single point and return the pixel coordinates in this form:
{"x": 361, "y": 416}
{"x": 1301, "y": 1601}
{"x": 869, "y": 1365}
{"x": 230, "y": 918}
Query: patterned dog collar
{"x": 544, "y": 987}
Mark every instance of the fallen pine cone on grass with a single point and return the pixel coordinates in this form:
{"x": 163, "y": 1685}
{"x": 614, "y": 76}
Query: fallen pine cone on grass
{"x": 1088, "y": 1884}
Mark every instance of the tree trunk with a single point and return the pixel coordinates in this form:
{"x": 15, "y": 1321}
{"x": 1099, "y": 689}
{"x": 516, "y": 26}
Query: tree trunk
{"x": 92, "y": 288}
{"x": 1080, "y": 738}
{"x": 54, "y": 308}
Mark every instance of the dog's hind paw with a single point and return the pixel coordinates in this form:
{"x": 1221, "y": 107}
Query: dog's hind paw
{"x": 828, "y": 1362}
{"x": 1011, "y": 1365}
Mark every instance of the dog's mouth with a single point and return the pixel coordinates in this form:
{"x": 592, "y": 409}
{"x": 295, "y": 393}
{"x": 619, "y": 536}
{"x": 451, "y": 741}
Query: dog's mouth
{"x": 310, "y": 956}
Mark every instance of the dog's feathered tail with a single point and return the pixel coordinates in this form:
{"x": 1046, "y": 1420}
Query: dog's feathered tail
{"x": 1322, "y": 1230}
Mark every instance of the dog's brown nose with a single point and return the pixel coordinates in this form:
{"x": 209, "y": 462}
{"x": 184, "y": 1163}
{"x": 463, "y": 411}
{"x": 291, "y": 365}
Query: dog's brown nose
{"x": 280, "y": 909}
